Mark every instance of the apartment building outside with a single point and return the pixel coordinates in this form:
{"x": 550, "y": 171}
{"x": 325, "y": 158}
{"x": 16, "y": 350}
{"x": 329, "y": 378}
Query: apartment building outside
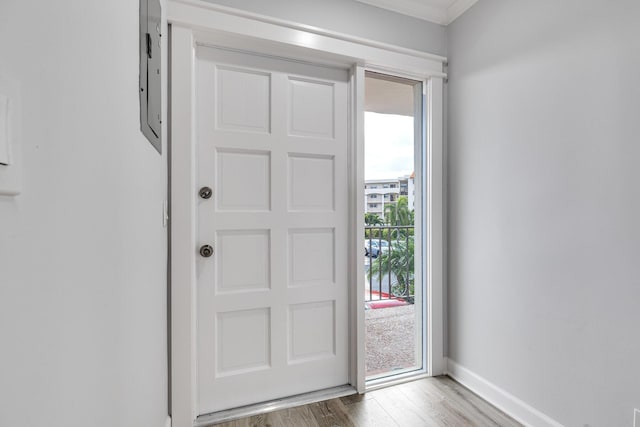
{"x": 381, "y": 192}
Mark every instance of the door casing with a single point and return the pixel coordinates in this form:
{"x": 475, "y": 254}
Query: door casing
{"x": 194, "y": 22}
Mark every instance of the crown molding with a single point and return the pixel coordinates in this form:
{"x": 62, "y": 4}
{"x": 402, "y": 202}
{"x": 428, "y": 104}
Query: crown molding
{"x": 441, "y": 12}
{"x": 457, "y": 8}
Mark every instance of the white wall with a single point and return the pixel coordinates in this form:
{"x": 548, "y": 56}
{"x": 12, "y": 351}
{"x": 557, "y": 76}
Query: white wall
{"x": 544, "y": 212}
{"x": 82, "y": 250}
{"x": 351, "y": 17}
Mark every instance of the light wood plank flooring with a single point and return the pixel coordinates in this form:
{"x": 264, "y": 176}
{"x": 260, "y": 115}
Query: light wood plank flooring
{"x": 438, "y": 401}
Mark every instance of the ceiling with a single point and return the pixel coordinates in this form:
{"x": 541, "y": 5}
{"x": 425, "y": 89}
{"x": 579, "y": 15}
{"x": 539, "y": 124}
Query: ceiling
{"x": 441, "y": 12}
{"x": 385, "y": 95}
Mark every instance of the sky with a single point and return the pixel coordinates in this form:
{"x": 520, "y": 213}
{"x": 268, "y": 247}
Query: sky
{"x": 388, "y": 141}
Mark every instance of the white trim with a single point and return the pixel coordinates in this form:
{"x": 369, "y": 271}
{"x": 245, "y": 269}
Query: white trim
{"x": 183, "y": 231}
{"x": 433, "y": 204}
{"x": 167, "y": 422}
{"x": 357, "y": 216}
{"x": 502, "y": 399}
{"x": 457, "y": 8}
{"x": 194, "y": 22}
{"x": 420, "y": 170}
{"x": 432, "y": 11}
{"x": 198, "y": 14}
{"x": 417, "y": 9}
{"x": 176, "y": 13}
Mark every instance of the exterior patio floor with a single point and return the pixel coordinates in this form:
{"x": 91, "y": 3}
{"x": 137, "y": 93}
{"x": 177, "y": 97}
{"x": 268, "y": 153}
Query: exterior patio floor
{"x": 390, "y": 339}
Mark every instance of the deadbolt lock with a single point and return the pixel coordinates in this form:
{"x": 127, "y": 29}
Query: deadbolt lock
{"x": 205, "y": 192}
{"x": 206, "y": 251}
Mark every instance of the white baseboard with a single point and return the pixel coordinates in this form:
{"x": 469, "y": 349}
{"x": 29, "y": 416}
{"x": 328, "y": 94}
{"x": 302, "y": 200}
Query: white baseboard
{"x": 503, "y": 400}
{"x": 167, "y": 423}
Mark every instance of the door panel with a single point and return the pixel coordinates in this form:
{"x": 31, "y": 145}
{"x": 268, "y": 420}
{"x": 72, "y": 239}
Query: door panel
{"x": 272, "y": 301}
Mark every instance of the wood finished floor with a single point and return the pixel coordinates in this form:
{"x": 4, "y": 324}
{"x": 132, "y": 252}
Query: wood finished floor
{"x": 438, "y": 401}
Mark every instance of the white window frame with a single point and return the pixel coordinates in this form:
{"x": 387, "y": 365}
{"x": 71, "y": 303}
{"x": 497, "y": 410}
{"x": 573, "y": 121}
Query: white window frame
{"x": 196, "y": 22}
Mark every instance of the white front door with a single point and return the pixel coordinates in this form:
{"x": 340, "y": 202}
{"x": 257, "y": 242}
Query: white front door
{"x": 272, "y": 300}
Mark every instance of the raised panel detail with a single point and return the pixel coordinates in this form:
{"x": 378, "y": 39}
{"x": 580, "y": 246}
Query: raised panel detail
{"x": 311, "y": 108}
{"x": 243, "y": 341}
{"x": 243, "y": 180}
{"x": 242, "y": 260}
{"x": 244, "y": 100}
{"x": 311, "y": 257}
{"x": 312, "y": 330}
{"x": 311, "y": 183}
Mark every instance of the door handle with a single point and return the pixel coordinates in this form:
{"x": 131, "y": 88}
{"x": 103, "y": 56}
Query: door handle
{"x": 206, "y": 251}
{"x": 205, "y": 192}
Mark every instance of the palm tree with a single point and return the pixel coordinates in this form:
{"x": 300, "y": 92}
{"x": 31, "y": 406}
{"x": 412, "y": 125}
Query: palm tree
{"x": 398, "y": 213}
{"x": 372, "y": 219}
{"x": 398, "y": 261}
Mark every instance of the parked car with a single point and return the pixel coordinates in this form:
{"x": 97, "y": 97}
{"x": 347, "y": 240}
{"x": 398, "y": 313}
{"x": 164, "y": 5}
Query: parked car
{"x": 373, "y": 247}
{"x": 370, "y": 250}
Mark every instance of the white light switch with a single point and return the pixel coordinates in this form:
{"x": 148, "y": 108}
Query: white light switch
{"x": 5, "y": 147}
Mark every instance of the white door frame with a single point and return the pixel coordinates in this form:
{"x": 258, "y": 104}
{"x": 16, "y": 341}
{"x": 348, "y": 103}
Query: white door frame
{"x": 196, "y": 22}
